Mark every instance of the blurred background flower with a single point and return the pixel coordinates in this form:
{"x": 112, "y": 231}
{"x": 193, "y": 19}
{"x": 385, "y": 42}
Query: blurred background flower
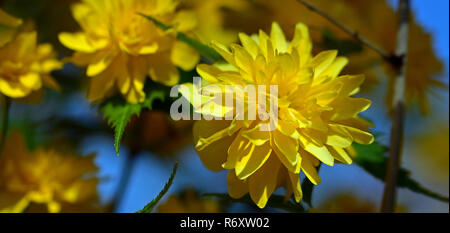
{"x": 189, "y": 202}
{"x": 46, "y": 180}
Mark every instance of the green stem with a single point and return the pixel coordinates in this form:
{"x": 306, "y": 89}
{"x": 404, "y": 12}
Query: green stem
{"x": 5, "y": 122}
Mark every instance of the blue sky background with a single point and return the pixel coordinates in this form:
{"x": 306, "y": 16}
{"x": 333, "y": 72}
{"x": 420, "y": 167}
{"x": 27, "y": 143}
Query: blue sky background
{"x": 151, "y": 172}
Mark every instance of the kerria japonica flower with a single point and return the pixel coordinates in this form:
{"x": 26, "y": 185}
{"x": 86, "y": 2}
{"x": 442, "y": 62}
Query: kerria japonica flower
{"x": 8, "y": 27}
{"x": 317, "y": 118}
{"x": 25, "y": 65}
{"x": 46, "y": 180}
{"x": 120, "y": 47}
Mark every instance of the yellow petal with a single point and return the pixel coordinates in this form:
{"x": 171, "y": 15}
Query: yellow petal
{"x": 236, "y": 188}
{"x": 31, "y": 80}
{"x": 340, "y": 154}
{"x": 360, "y": 136}
{"x": 263, "y": 182}
{"x": 351, "y": 84}
{"x": 248, "y": 164}
{"x": 238, "y": 148}
{"x": 214, "y": 155}
{"x": 149, "y": 49}
{"x": 99, "y": 87}
{"x": 295, "y": 183}
{"x": 8, "y": 20}
{"x": 338, "y": 136}
{"x": 100, "y": 66}
{"x": 185, "y": 20}
{"x": 347, "y": 107}
{"x": 163, "y": 71}
{"x": 278, "y": 38}
{"x": 288, "y": 128}
{"x": 79, "y": 42}
{"x": 208, "y": 72}
{"x": 286, "y": 145}
{"x": 243, "y": 59}
{"x": 322, "y": 61}
{"x": 336, "y": 67}
{"x": 184, "y": 56}
{"x": 321, "y": 153}
{"x": 13, "y": 202}
{"x": 224, "y": 52}
{"x": 249, "y": 44}
{"x": 14, "y": 90}
{"x": 256, "y": 136}
{"x": 309, "y": 170}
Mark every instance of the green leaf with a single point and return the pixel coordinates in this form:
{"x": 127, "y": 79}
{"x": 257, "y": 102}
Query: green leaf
{"x": 275, "y": 201}
{"x": 201, "y": 48}
{"x": 149, "y": 207}
{"x": 118, "y": 113}
{"x": 372, "y": 159}
{"x": 345, "y": 47}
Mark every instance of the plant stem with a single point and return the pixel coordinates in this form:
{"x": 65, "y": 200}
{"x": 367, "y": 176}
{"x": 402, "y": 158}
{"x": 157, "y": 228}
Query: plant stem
{"x": 347, "y": 29}
{"x": 396, "y": 140}
{"x": 5, "y": 122}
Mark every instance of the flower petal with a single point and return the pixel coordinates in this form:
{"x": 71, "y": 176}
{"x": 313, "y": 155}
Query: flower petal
{"x": 263, "y": 182}
{"x": 236, "y": 188}
{"x": 79, "y": 42}
{"x": 184, "y": 56}
{"x": 214, "y": 155}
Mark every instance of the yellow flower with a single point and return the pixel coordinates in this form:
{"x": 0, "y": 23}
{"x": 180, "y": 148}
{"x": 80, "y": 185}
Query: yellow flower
{"x": 376, "y": 21}
{"x": 430, "y": 154}
{"x": 8, "y": 27}
{"x": 62, "y": 182}
{"x": 211, "y": 19}
{"x": 317, "y": 116}
{"x": 25, "y": 66}
{"x": 120, "y": 48}
{"x": 189, "y": 202}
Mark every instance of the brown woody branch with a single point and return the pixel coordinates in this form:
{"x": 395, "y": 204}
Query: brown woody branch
{"x": 350, "y": 31}
{"x": 398, "y": 61}
{"x": 396, "y": 141}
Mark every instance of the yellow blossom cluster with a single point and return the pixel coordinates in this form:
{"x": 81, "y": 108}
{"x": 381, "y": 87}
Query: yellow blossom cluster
{"x": 317, "y": 118}
{"x": 61, "y": 182}
{"x": 121, "y": 48}
{"x": 25, "y": 65}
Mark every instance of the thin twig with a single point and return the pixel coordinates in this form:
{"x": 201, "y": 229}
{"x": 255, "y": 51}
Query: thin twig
{"x": 348, "y": 30}
{"x": 396, "y": 141}
{"x": 5, "y": 122}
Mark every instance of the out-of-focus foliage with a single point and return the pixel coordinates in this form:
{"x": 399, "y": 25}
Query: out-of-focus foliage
{"x": 59, "y": 181}
{"x": 372, "y": 159}
{"x": 350, "y": 203}
{"x": 166, "y": 137}
{"x": 275, "y": 201}
{"x": 149, "y": 207}
{"x": 119, "y": 112}
{"x": 189, "y": 202}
